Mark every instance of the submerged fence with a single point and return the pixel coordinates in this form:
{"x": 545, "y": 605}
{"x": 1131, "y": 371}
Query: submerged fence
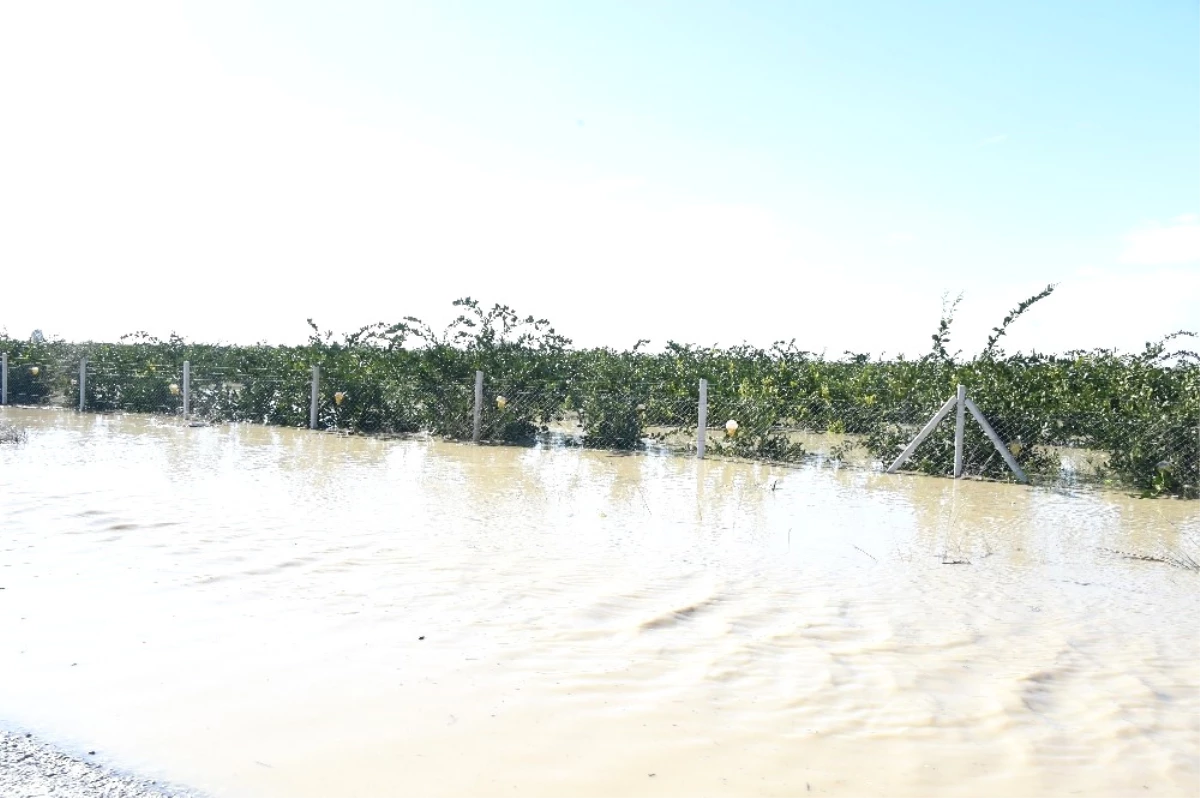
{"x": 973, "y": 433}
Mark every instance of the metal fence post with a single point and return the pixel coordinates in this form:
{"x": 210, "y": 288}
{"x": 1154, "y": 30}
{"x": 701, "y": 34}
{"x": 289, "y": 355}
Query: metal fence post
{"x": 702, "y": 420}
{"x": 312, "y": 408}
{"x": 4, "y": 378}
{"x": 477, "y": 420}
{"x": 82, "y": 383}
{"x": 187, "y": 389}
{"x": 959, "y": 428}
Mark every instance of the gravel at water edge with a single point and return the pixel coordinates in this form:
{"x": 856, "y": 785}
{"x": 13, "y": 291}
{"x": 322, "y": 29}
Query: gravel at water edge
{"x": 30, "y": 768}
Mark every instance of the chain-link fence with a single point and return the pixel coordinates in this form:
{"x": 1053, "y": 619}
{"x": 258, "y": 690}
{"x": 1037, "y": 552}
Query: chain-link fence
{"x": 1154, "y": 453}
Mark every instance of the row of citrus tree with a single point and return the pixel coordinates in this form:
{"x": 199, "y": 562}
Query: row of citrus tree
{"x": 1140, "y": 412}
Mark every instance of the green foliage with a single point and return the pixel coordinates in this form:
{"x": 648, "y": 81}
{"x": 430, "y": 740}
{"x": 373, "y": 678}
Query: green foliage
{"x": 32, "y": 371}
{"x": 1134, "y": 417}
{"x": 141, "y": 374}
{"x": 758, "y": 440}
{"x": 612, "y": 419}
{"x": 989, "y": 349}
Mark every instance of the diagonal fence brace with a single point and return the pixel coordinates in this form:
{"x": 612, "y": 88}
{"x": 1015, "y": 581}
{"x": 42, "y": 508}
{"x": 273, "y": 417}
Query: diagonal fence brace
{"x": 963, "y": 404}
{"x": 924, "y": 433}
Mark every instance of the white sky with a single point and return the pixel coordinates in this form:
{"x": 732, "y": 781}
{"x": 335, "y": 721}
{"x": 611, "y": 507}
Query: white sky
{"x": 148, "y": 184}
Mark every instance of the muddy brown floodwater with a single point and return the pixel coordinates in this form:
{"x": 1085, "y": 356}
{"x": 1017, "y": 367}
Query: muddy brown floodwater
{"x": 262, "y": 611}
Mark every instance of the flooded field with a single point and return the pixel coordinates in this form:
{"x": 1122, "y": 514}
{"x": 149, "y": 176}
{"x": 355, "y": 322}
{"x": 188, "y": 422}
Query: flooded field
{"x": 264, "y": 611}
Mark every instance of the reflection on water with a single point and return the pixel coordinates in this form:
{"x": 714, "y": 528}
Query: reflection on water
{"x": 262, "y": 611}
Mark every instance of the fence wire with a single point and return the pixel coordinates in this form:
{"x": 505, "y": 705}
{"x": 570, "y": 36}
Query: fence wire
{"x": 1155, "y": 453}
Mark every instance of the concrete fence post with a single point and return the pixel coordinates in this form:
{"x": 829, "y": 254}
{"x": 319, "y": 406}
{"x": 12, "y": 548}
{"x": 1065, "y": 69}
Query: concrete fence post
{"x": 477, "y": 419}
{"x": 963, "y": 403}
{"x": 959, "y": 428}
{"x": 4, "y": 378}
{"x": 312, "y": 406}
{"x": 187, "y": 389}
{"x": 702, "y": 420}
{"x": 82, "y": 383}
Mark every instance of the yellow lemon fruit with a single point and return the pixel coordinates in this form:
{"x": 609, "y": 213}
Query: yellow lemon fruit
{"x": 501, "y": 402}
{"x": 339, "y": 397}
{"x": 174, "y": 389}
{"x": 731, "y": 427}
{"x": 34, "y": 370}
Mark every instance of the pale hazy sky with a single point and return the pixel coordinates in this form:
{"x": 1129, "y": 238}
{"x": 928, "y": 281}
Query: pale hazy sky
{"x": 707, "y": 172}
